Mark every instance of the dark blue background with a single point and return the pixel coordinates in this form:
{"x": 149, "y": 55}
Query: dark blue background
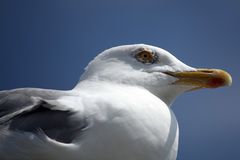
{"x": 47, "y": 43}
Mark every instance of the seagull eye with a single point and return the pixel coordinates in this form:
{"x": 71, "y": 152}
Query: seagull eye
{"x": 146, "y": 57}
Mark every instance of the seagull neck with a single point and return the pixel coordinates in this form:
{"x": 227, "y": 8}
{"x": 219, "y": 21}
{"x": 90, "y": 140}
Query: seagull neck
{"x": 99, "y": 84}
{"x": 164, "y": 95}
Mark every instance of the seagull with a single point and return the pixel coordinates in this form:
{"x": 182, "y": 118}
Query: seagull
{"x": 119, "y": 110}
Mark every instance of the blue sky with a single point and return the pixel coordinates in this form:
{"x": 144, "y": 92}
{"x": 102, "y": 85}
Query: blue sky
{"x": 48, "y": 43}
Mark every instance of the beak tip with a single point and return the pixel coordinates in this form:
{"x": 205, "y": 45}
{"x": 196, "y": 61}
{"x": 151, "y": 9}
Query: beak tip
{"x": 225, "y": 77}
{"x": 229, "y": 80}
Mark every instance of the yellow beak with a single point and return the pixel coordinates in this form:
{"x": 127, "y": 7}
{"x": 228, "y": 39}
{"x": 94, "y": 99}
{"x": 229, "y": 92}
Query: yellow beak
{"x": 203, "y": 78}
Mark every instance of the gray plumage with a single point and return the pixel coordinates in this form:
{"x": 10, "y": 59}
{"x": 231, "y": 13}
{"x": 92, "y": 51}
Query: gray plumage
{"x": 28, "y": 110}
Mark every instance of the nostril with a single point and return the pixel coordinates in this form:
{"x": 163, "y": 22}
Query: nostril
{"x": 207, "y": 71}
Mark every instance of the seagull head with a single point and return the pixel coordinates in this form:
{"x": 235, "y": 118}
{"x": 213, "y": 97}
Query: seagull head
{"x": 153, "y": 69}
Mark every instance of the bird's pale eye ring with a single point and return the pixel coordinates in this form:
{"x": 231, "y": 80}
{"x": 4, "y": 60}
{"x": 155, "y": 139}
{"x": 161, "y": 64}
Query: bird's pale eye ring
{"x": 146, "y": 56}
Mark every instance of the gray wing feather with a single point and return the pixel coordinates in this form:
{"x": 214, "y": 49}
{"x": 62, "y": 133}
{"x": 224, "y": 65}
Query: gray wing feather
{"x": 27, "y": 111}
